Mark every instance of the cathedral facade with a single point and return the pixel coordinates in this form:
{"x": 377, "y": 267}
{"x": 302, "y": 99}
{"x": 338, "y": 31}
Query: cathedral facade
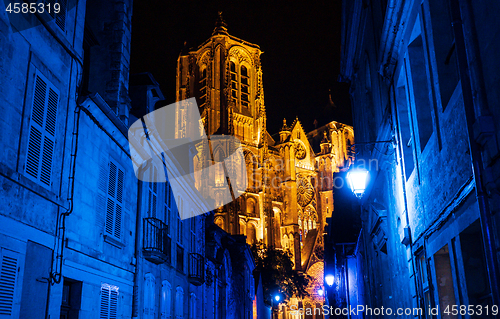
{"x": 288, "y": 195}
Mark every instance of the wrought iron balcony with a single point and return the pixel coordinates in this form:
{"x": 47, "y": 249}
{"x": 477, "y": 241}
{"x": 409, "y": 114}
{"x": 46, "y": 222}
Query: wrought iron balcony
{"x": 156, "y": 241}
{"x": 196, "y": 269}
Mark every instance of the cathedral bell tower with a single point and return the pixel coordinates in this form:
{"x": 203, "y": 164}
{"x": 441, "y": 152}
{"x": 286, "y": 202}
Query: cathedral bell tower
{"x": 224, "y": 75}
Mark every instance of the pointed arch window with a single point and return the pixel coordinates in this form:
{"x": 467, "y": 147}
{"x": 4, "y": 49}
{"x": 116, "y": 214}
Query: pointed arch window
{"x": 245, "y": 87}
{"x": 240, "y": 84}
{"x": 234, "y": 80}
{"x": 203, "y": 87}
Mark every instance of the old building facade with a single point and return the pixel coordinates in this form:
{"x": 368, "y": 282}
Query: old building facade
{"x": 422, "y": 78}
{"x": 288, "y": 195}
{"x": 81, "y": 236}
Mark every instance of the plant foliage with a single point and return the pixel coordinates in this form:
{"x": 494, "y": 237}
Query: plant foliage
{"x": 275, "y": 267}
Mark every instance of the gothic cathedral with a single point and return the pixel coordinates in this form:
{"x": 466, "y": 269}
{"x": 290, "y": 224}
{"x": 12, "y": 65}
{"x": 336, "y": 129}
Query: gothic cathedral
{"x": 289, "y": 191}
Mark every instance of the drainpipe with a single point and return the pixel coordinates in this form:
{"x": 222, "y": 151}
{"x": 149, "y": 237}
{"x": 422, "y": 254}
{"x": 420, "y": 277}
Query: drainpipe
{"x": 475, "y": 153}
{"x": 138, "y": 259}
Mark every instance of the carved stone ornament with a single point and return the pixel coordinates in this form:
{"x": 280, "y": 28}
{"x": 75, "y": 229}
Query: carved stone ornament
{"x": 305, "y": 191}
{"x": 300, "y": 150}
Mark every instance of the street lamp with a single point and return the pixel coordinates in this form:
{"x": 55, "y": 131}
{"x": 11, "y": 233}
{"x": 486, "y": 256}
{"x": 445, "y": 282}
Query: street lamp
{"x": 357, "y": 178}
{"x": 320, "y": 292}
{"x": 329, "y": 280}
{"x": 275, "y": 305}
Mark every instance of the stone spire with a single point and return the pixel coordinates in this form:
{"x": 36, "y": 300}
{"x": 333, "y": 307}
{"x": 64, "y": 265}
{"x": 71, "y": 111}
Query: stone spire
{"x": 220, "y": 25}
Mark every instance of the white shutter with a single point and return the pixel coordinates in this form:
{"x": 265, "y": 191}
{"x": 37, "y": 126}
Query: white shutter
{"x": 114, "y": 202}
{"x": 109, "y": 302}
{"x": 8, "y": 277}
{"x": 42, "y": 131}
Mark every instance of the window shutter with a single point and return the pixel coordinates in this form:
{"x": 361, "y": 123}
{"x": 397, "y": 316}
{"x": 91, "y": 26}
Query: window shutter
{"x": 109, "y": 302}
{"x": 61, "y": 16}
{"x": 119, "y": 204}
{"x": 42, "y": 131}
{"x": 114, "y": 203}
{"x": 8, "y": 276}
{"x": 102, "y": 185}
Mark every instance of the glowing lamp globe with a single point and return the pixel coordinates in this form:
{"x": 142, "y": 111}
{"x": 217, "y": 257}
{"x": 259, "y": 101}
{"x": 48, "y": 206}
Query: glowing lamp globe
{"x": 329, "y": 280}
{"x": 277, "y": 297}
{"x": 357, "y": 179}
{"x": 320, "y": 292}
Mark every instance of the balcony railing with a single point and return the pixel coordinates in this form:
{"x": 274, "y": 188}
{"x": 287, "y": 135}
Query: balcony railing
{"x": 196, "y": 269}
{"x": 156, "y": 241}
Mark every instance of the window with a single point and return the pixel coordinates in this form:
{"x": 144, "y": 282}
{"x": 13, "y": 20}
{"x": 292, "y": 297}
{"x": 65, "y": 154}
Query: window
{"x": 8, "y": 278}
{"x": 42, "y": 131}
{"x": 167, "y": 205}
{"x": 444, "y": 48}
{"x": 193, "y": 236}
{"x": 152, "y": 193}
{"x": 419, "y": 87}
{"x": 444, "y": 276}
{"x": 109, "y": 302}
{"x": 425, "y": 302}
{"x": 60, "y": 17}
{"x": 240, "y": 85}
{"x": 203, "y": 87}
{"x": 179, "y": 303}
{"x": 405, "y": 124}
{"x": 179, "y": 220}
{"x": 165, "y": 304}
{"x": 149, "y": 296}
{"x": 234, "y": 80}
{"x": 180, "y": 258}
{"x": 110, "y": 199}
{"x": 71, "y": 298}
{"x": 245, "y": 87}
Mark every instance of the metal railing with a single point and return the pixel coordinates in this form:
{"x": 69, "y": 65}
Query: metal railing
{"x": 156, "y": 241}
{"x": 196, "y": 269}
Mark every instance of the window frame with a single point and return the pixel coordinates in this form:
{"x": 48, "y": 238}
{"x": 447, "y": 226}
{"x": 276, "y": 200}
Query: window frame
{"x": 114, "y": 237}
{"x": 112, "y": 303}
{"x": 236, "y": 85}
{"x": 44, "y": 132}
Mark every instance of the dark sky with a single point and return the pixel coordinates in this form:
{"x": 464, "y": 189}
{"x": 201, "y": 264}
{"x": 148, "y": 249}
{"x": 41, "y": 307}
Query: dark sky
{"x": 301, "y": 44}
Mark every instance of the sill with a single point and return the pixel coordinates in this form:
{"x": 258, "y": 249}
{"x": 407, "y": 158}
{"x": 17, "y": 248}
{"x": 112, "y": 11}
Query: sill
{"x": 113, "y": 241}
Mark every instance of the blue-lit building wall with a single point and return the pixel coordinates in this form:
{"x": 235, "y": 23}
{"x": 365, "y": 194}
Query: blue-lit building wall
{"x": 413, "y": 76}
{"x": 80, "y": 236}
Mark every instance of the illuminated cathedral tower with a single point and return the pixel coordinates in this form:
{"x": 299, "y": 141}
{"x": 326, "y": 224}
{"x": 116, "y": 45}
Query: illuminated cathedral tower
{"x": 288, "y": 195}
{"x": 225, "y": 76}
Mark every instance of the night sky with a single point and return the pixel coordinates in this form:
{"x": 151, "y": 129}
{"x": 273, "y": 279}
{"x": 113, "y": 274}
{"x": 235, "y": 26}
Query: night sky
{"x": 301, "y": 44}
